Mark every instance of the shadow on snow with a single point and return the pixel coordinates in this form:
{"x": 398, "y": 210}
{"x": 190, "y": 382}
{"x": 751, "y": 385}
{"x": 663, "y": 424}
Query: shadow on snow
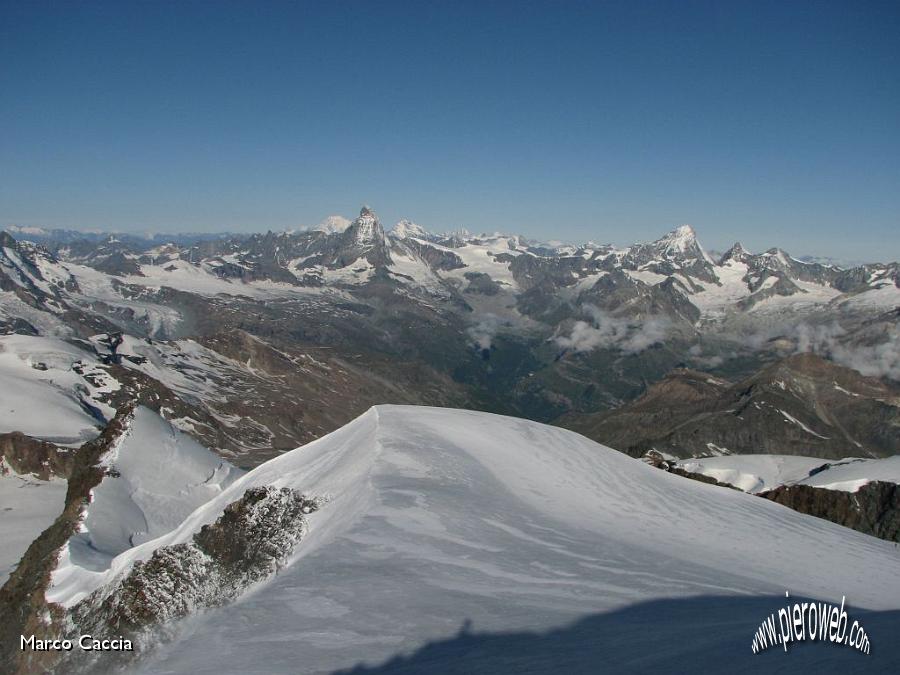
{"x": 689, "y": 635}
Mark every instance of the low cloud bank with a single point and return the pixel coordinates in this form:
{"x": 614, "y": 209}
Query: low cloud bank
{"x": 876, "y": 353}
{"x": 881, "y": 359}
{"x": 603, "y": 331}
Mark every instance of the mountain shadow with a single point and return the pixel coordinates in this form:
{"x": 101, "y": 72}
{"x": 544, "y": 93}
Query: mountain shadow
{"x": 708, "y": 634}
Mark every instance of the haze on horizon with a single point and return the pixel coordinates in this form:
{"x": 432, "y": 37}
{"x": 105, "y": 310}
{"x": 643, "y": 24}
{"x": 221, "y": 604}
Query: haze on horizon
{"x": 772, "y": 124}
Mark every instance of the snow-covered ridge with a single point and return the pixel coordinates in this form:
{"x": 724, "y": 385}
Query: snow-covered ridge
{"x": 449, "y": 460}
{"x": 473, "y": 516}
{"x": 155, "y": 477}
{"x": 758, "y": 473}
{"x": 333, "y": 225}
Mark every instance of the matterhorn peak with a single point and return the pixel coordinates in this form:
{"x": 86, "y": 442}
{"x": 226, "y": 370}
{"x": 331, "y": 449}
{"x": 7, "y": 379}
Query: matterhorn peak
{"x": 366, "y": 230}
{"x": 367, "y": 221}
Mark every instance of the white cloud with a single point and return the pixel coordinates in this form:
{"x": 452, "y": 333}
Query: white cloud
{"x": 604, "y": 331}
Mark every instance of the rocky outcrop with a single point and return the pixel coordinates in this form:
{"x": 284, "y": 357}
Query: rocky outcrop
{"x": 24, "y": 454}
{"x": 249, "y": 542}
{"x": 436, "y": 258}
{"x": 656, "y": 460}
{"x": 873, "y": 509}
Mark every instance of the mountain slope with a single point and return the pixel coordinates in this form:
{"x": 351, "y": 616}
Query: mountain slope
{"x": 29, "y": 505}
{"x": 803, "y": 405}
{"x": 438, "y": 516}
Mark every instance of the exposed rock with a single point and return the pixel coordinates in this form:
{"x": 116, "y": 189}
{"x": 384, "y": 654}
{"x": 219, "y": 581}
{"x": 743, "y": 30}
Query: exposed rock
{"x": 656, "y": 460}
{"x": 25, "y": 454}
{"x": 873, "y": 509}
{"x": 481, "y": 283}
{"x": 248, "y": 543}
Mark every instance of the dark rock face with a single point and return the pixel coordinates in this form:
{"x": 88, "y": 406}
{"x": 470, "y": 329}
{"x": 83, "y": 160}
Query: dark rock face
{"x": 873, "y": 509}
{"x": 481, "y": 283}
{"x": 617, "y": 291}
{"x": 860, "y": 278}
{"x": 535, "y": 272}
{"x": 248, "y": 543}
{"x": 438, "y": 259}
{"x": 782, "y": 286}
{"x": 256, "y": 533}
{"x": 25, "y": 454}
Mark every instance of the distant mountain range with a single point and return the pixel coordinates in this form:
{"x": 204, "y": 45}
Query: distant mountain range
{"x": 167, "y": 403}
{"x": 493, "y": 322}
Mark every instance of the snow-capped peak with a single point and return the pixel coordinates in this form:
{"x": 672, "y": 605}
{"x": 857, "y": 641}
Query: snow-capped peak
{"x": 680, "y": 245}
{"x": 367, "y": 228}
{"x": 333, "y": 225}
{"x": 407, "y": 228}
{"x": 778, "y": 255}
{"x": 680, "y": 240}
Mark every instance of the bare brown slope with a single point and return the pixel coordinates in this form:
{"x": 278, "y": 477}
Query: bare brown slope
{"x": 802, "y": 405}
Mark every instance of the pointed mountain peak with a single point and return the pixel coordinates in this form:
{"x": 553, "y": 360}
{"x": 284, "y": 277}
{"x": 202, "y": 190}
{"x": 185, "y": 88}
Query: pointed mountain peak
{"x": 737, "y": 253}
{"x": 779, "y": 255}
{"x": 682, "y": 244}
{"x": 367, "y": 224}
{"x": 367, "y": 218}
{"x": 366, "y": 230}
{"x": 682, "y": 239}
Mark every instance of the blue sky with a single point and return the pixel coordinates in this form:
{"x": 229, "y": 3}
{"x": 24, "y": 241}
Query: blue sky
{"x": 776, "y": 123}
